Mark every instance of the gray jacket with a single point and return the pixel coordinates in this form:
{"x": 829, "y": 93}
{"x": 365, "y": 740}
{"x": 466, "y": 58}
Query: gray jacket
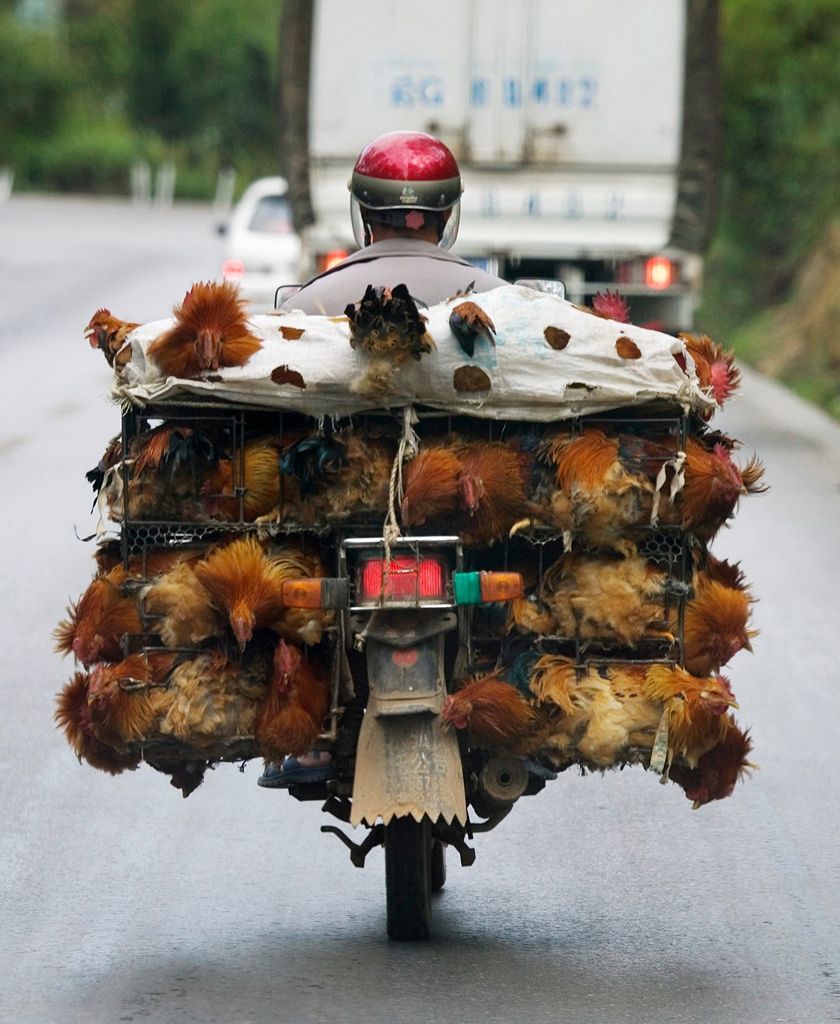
{"x": 430, "y": 273}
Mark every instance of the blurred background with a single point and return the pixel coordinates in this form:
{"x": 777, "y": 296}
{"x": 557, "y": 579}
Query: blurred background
{"x": 182, "y": 100}
{"x": 684, "y": 152}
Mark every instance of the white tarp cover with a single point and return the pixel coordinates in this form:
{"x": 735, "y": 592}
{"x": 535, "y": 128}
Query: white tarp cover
{"x": 529, "y": 379}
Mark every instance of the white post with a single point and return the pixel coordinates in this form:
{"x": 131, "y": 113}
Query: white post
{"x": 225, "y": 183}
{"x": 141, "y": 182}
{"x": 165, "y": 184}
{"x": 7, "y": 180}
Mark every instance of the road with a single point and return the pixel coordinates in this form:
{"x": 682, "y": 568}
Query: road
{"x": 604, "y": 899}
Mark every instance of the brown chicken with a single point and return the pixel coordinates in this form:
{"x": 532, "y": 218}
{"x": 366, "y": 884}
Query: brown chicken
{"x": 430, "y": 485}
{"x": 468, "y": 321}
{"x": 716, "y": 372}
{"x": 497, "y": 717}
{"x": 298, "y": 700}
{"x": 483, "y": 501}
{"x": 713, "y": 486}
{"x": 211, "y": 698}
{"x": 718, "y": 769}
{"x": 696, "y": 708}
{"x": 258, "y": 473}
{"x": 123, "y": 703}
{"x": 180, "y": 610}
{"x": 716, "y": 625}
{"x": 386, "y": 325}
{"x": 210, "y": 332}
{"x": 605, "y": 712}
{"x": 72, "y": 714}
{"x": 605, "y": 485}
{"x": 608, "y": 484}
{"x": 109, "y": 334}
{"x": 166, "y": 467}
{"x": 246, "y": 584}
{"x": 96, "y": 622}
{"x": 608, "y": 597}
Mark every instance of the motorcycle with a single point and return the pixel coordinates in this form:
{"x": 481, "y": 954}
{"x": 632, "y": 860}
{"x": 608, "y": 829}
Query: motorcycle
{"x": 403, "y": 619}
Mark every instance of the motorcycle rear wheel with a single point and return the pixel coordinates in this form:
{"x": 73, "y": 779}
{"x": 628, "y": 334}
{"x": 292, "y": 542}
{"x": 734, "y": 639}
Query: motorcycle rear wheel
{"x": 408, "y": 879}
{"x": 438, "y": 864}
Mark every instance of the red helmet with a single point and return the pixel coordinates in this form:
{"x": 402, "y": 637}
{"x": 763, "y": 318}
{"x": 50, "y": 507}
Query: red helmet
{"x": 400, "y": 174}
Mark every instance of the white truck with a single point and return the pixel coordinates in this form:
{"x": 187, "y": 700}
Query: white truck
{"x": 587, "y": 132}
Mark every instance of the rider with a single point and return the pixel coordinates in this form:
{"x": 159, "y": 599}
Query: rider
{"x": 405, "y": 203}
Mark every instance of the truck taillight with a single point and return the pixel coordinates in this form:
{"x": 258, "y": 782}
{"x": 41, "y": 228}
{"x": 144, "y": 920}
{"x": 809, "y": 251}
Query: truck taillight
{"x": 328, "y": 260}
{"x": 659, "y": 272}
{"x": 409, "y": 579}
{"x": 233, "y": 270}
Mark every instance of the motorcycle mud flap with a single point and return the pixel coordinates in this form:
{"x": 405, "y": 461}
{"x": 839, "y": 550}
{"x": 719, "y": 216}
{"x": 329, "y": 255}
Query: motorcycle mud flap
{"x": 407, "y": 765}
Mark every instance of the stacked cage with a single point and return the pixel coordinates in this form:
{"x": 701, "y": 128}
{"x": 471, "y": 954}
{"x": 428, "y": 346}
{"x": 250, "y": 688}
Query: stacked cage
{"x": 205, "y": 635}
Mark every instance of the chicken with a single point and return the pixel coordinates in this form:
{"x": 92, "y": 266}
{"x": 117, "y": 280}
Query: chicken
{"x": 610, "y": 598}
{"x": 716, "y": 372}
{"x": 716, "y": 620}
{"x": 696, "y": 709}
{"x": 713, "y": 486}
{"x": 124, "y": 708}
{"x": 72, "y": 714}
{"x": 180, "y": 609}
{"x": 246, "y": 585}
{"x": 96, "y": 622}
{"x": 483, "y": 500}
{"x": 609, "y": 483}
{"x": 468, "y": 321}
{"x": 339, "y": 476}
{"x": 611, "y": 306}
{"x": 210, "y": 333}
{"x": 605, "y": 485}
{"x": 430, "y": 485}
{"x": 496, "y": 716}
{"x": 166, "y": 468}
{"x": 386, "y": 325}
{"x": 211, "y": 698}
{"x": 289, "y": 720}
{"x": 149, "y": 564}
{"x": 718, "y": 769}
{"x": 495, "y": 483}
{"x": 257, "y": 472}
{"x": 109, "y": 334}
{"x": 605, "y": 712}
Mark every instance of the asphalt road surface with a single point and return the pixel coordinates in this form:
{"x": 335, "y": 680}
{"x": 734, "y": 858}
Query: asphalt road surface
{"x": 603, "y": 899}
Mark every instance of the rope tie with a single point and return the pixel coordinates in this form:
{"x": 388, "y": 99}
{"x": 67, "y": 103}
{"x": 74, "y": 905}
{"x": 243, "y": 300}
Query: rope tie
{"x": 677, "y": 463}
{"x": 407, "y": 449}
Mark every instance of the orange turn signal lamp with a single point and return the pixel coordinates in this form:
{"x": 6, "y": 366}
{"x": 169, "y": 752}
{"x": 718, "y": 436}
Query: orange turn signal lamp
{"x": 484, "y": 587}
{"x": 317, "y": 593}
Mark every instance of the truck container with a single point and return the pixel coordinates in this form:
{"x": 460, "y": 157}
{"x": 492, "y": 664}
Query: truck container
{"x": 587, "y": 132}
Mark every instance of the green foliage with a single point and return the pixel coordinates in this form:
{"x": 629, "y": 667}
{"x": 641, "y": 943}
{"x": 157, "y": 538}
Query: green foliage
{"x": 192, "y": 82}
{"x": 35, "y": 80}
{"x": 781, "y": 66}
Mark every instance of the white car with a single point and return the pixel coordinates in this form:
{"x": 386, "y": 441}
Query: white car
{"x": 263, "y": 250}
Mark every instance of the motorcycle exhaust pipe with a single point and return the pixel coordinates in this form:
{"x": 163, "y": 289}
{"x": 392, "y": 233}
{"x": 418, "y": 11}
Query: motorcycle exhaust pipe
{"x": 500, "y": 783}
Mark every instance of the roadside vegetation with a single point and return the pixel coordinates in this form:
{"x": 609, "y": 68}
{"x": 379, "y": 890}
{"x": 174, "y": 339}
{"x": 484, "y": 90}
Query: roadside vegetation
{"x": 119, "y": 83}
{"x": 773, "y": 271}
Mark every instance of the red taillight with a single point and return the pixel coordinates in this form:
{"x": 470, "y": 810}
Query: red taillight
{"x": 233, "y": 270}
{"x": 659, "y": 272}
{"x": 408, "y": 579}
{"x": 328, "y": 260}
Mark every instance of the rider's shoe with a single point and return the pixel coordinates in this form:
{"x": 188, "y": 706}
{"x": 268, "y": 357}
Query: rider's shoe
{"x": 313, "y": 768}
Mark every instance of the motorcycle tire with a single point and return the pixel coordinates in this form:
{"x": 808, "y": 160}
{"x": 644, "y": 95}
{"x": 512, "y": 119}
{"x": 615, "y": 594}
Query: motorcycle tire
{"x": 408, "y": 879}
{"x": 438, "y": 865}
